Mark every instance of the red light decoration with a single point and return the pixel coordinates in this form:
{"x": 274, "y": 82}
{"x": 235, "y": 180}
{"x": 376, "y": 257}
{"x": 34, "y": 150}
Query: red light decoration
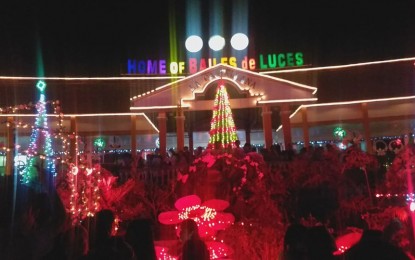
{"x": 346, "y": 241}
{"x": 209, "y": 218}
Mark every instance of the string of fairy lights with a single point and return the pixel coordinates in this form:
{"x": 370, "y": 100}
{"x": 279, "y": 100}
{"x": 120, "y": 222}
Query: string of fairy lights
{"x": 84, "y": 185}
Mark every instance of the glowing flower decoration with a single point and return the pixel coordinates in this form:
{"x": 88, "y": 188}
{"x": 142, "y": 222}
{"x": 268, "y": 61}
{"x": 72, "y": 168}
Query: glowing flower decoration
{"x": 208, "y": 216}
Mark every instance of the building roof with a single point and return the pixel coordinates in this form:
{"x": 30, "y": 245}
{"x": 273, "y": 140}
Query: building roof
{"x": 255, "y": 90}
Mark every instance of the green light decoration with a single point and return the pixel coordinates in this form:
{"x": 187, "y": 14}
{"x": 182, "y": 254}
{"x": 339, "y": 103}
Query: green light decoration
{"x": 222, "y": 125}
{"x": 339, "y": 132}
{"x": 99, "y": 143}
{"x": 41, "y": 85}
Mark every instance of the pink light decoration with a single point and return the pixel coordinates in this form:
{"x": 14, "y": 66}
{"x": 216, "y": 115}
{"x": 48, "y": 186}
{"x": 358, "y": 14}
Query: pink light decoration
{"x": 169, "y": 218}
{"x": 187, "y": 201}
{"x": 216, "y": 204}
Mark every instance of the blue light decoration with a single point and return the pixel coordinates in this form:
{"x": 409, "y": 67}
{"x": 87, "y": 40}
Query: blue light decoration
{"x": 40, "y": 167}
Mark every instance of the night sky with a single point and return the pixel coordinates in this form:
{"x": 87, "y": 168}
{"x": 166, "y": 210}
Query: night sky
{"x": 96, "y": 38}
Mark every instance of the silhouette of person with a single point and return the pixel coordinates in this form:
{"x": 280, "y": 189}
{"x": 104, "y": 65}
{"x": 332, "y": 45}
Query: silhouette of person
{"x": 193, "y": 246}
{"x": 295, "y": 247}
{"x": 320, "y": 243}
{"x": 103, "y": 244}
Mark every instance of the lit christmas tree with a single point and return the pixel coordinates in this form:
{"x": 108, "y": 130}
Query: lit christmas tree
{"x": 40, "y": 168}
{"x": 222, "y": 126}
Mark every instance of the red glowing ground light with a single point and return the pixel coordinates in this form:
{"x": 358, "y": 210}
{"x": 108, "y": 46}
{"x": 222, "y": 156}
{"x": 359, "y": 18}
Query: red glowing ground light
{"x": 208, "y": 215}
{"x": 345, "y": 242}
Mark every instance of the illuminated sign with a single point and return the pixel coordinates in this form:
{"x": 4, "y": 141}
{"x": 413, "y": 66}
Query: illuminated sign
{"x": 193, "y": 65}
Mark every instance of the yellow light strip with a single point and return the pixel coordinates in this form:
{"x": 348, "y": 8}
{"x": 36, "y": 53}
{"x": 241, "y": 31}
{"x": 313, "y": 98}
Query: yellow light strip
{"x": 151, "y": 123}
{"x": 240, "y": 70}
{"x": 156, "y": 107}
{"x": 351, "y": 103}
{"x": 86, "y": 115}
{"x": 359, "y": 101}
{"x": 295, "y": 112}
{"x": 89, "y": 78}
{"x": 339, "y": 66}
{"x": 103, "y": 114}
{"x": 208, "y": 83}
{"x": 286, "y": 100}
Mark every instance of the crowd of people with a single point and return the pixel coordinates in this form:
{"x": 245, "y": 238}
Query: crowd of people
{"x": 39, "y": 227}
{"x": 44, "y": 231}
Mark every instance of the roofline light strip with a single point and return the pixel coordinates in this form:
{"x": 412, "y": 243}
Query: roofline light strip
{"x": 339, "y": 66}
{"x": 88, "y": 78}
{"x": 359, "y": 101}
{"x": 240, "y": 70}
{"x": 351, "y": 103}
{"x": 156, "y": 107}
{"x": 286, "y": 100}
{"x": 85, "y": 115}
